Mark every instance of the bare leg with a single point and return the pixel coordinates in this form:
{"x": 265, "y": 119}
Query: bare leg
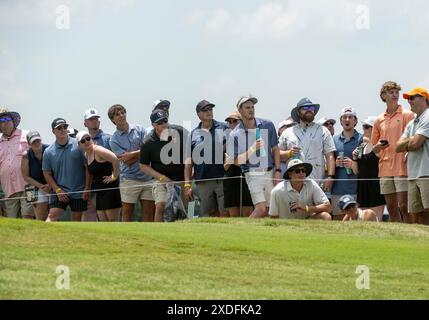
{"x": 54, "y": 214}
{"x": 127, "y": 212}
{"x": 424, "y": 217}
{"x": 403, "y": 206}
{"x": 234, "y": 212}
{"x": 261, "y": 210}
{"x": 41, "y": 211}
{"x": 392, "y": 207}
{"x": 159, "y": 212}
{"x": 112, "y": 215}
{"x": 76, "y": 216}
{"x": 148, "y": 210}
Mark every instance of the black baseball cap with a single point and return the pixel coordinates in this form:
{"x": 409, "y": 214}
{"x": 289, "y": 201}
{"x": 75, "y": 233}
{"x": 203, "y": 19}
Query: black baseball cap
{"x": 57, "y": 122}
{"x": 158, "y": 115}
{"x": 204, "y": 104}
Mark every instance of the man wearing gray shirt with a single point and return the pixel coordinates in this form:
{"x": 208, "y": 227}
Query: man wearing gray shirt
{"x": 415, "y": 142}
{"x": 309, "y": 141}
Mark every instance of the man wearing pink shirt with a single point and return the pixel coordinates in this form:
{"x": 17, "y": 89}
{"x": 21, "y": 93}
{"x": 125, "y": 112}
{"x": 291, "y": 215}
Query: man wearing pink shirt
{"x": 388, "y": 129}
{"x": 13, "y": 144}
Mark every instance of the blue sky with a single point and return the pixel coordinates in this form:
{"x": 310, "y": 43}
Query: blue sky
{"x": 336, "y": 52}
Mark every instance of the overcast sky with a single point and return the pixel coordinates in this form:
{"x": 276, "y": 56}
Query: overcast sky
{"x": 61, "y": 57}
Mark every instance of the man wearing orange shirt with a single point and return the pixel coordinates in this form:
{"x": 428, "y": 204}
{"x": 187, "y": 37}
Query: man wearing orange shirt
{"x": 388, "y": 129}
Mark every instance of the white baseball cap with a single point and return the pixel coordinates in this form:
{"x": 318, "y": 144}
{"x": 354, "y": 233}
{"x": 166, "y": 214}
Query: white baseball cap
{"x": 91, "y": 113}
{"x": 348, "y": 111}
{"x": 369, "y": 121}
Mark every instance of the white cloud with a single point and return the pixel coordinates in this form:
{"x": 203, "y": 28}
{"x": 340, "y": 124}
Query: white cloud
{"x": 43, "y": 12}
{"x": 285, "y": 19}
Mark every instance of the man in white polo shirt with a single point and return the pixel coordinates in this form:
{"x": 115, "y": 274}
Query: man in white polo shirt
{"x": 299, "y": 197}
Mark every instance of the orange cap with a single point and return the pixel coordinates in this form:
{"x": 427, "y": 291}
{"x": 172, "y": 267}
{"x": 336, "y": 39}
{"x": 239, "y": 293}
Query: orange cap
{"x": 416, "y": 91}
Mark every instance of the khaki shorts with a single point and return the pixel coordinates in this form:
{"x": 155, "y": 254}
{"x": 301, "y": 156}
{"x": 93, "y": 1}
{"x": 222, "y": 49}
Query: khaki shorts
{"x": 336, "y": 211}
{"x": 389, "y": 185}
{"x": 418, "y": 195}
{"x": 17, "y": 208}
{"x": 260, "y": 185}
{"x": 135, "y": 190}
{"x": 160, "y": 193}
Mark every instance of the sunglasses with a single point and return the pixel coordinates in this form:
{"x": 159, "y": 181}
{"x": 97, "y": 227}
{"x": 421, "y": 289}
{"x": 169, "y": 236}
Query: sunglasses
{"x": 85, "y": 139}
{"x": 162, "y": 122}
{"x": 5, "y": 119}
{"x": 411, "y": 98}
{"x": 366, "y": 127}
{"x": 232, "y": 120}
{"x": 328, "y": 123}
{"x": 300, "y": 170}
{"x": 206, "y": 109}
{"x": 309, "y": 108}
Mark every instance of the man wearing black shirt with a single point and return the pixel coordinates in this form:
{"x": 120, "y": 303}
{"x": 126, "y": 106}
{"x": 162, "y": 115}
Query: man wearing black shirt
{"x": 162, "y": 157}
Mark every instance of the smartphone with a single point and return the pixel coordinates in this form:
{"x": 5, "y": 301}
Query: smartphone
{"x": 384, "y": 142}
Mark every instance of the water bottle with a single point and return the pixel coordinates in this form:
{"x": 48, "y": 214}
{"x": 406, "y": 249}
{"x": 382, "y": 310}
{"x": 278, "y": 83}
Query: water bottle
{"x": 262, "y": 152}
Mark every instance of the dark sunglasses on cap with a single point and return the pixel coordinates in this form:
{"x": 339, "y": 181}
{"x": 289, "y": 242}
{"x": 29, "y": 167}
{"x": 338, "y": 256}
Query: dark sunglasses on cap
{"x": 328, "y": 123}
{"x": 85, "y": 139}
{"x": 5, "y": 119}
{"x": 299, "y": 170}
{"x": 411, "y": 98}
{"x": 366, "y": 127}
{"x": 309, "y": 108}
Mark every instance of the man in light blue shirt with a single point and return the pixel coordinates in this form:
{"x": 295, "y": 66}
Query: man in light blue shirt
{"x": 135, "y": 185}
{"x": 255, "y": 148}
{"x": 65, "y": 170}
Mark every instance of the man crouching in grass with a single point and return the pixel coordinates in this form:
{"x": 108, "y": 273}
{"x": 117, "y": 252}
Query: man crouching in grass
{"x": 299, "y": 197}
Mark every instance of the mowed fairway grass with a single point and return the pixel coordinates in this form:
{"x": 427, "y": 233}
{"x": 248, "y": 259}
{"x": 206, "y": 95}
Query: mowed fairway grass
{"x": 213, "y": 259}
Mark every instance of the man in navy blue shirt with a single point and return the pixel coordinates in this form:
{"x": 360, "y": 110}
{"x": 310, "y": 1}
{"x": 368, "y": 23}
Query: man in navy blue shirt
{"x": 256, "y": 150}
{"x": 345, "y": 143}
{"x": 207, "y": 148}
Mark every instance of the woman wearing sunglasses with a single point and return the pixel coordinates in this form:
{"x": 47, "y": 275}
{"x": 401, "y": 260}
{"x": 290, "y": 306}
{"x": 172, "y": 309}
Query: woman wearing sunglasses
{"x": 365, "y": 165}
{"x": 103, "y": 165}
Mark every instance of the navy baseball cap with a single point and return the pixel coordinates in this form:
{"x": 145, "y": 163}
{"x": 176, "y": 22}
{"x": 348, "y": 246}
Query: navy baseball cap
{"x": 158, "y": 115}
{"x": 58, "y": 122}
{"x": 161, "y": 104}
{"x": 203, "y": 105}
{"x": 345, "y": 201}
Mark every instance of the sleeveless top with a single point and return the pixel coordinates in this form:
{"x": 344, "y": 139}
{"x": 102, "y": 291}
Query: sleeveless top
{"x": 98, "y": 170}
{"x": 35, "y": 165}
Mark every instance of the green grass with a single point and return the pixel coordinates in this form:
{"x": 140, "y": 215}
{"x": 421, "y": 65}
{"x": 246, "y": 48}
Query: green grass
{"x": 213, "y": 259}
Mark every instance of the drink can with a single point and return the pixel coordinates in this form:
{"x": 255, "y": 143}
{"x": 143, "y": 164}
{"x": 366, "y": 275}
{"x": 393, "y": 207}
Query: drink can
{"x": 360, "y": 152}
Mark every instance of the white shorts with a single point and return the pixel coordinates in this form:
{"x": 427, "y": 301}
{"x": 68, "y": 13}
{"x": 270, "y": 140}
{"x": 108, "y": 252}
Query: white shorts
{"x": 42, "y": 197}
{"x": 260, "y": 185}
